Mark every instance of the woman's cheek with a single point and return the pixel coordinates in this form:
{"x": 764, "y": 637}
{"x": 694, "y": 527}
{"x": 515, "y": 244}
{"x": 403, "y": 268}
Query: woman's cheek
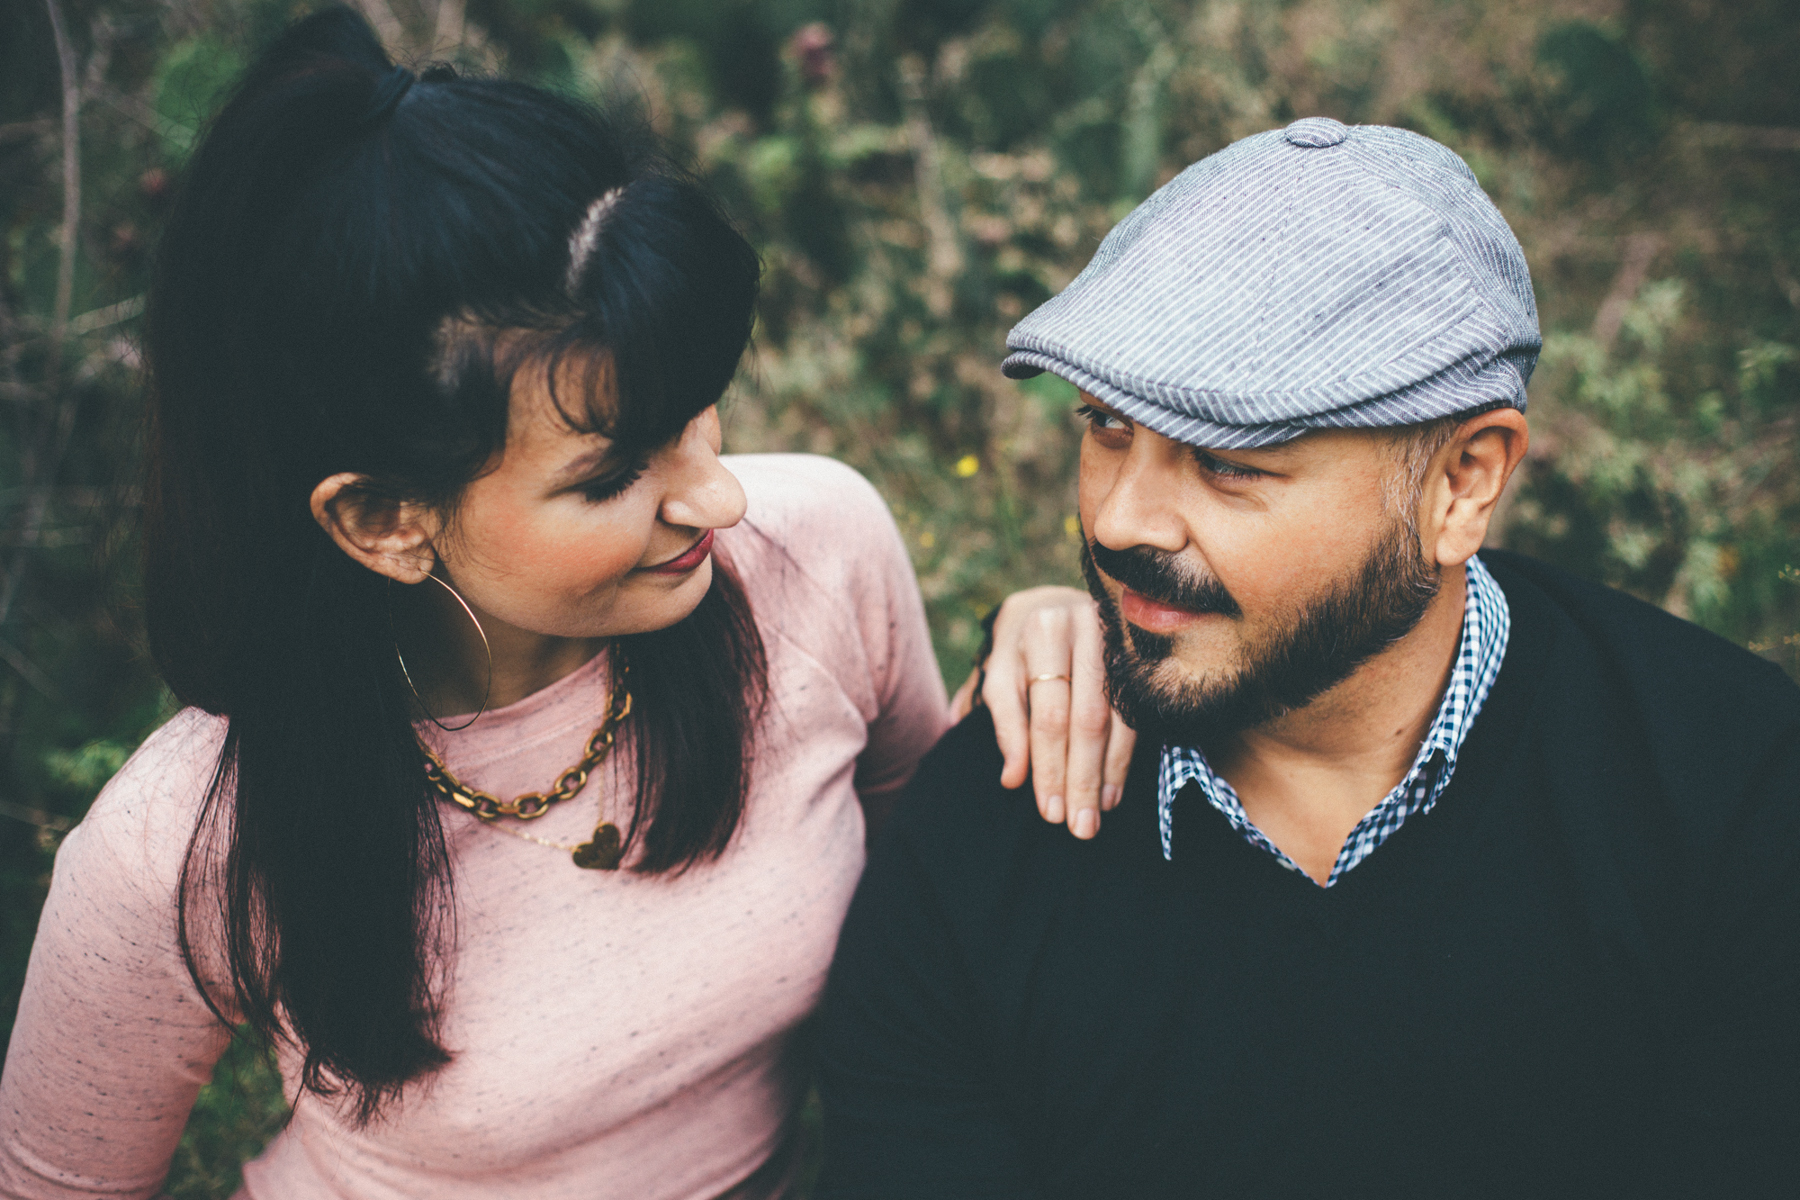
{"x": 562, "y": 547}
{"x": 583, "y": 559}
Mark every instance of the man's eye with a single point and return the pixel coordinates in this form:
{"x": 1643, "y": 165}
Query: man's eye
{"x": 608, "y": 486}
{"x": 1224, "y": 469}
{"x": 1103, "y": 422}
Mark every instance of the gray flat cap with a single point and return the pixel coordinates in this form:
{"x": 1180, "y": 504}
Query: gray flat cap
{"x": 1318, "y": 276}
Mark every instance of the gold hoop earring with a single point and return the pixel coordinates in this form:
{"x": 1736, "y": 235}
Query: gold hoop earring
{"x": 486, "y": 694}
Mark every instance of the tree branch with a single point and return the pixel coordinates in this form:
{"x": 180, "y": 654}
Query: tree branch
{"x": 944, "y": 255}
{"x": 39, "y": 469}
{"x": 35, "y": 816}
{"x": 1640, "y": 250}
{"x": 71, "y": 215}
{"x": 28, "y": 670}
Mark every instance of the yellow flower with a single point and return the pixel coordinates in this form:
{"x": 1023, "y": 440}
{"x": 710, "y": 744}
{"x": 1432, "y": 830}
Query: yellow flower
{"x": 967, "y": 465}
{"x": 928, "y": 539}
{"x": 1072, "y": 525}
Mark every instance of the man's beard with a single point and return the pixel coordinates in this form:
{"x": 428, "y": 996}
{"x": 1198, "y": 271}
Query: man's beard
{"x": 1321, "y": 646}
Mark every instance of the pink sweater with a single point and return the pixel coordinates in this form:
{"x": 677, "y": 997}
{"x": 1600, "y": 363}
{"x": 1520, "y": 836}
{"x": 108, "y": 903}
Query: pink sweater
{"x": 613, "y": 1035}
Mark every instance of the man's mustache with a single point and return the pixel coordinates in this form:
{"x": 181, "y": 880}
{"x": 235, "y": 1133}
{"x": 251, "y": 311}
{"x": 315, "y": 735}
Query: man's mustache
{"x": 1164, "y": 578}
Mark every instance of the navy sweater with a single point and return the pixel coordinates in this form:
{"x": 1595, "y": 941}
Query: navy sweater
{"x": 1579, "y": 975}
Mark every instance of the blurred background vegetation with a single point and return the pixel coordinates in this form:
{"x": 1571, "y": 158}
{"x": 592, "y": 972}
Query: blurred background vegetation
{"x": 917, "y": 175}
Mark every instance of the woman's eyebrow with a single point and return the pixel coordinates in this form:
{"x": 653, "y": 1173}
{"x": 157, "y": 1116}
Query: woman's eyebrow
{"x": 583, "y": 465}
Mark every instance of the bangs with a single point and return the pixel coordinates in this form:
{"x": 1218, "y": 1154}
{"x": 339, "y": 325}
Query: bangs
{"x": 476, "y": 365}
{"x": 586, "y": 381}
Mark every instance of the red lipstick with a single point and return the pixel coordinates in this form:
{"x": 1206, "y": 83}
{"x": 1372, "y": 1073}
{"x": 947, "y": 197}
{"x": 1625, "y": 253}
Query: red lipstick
{"x": 687, "y": 560}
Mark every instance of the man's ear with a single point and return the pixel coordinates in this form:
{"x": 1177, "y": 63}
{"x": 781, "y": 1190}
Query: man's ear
{"x": 1466, "y": 478}
{"x": 390, "y": 537}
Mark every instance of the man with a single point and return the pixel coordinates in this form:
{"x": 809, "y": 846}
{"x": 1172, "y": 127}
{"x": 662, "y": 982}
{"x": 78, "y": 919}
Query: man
{"x": 1435, "y": 875}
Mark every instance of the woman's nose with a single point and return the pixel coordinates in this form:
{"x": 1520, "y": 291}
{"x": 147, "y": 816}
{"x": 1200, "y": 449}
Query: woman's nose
{"x": 701, "y": 493}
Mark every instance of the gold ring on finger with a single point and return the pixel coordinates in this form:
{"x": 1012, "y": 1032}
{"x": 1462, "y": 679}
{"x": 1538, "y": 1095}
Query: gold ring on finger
{"x": 1046, "y": 679}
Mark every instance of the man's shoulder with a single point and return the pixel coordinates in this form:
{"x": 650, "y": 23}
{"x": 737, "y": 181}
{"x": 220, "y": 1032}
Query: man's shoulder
{"x": 1618, "y": 689}
{"x": 1646, "y": 649}
{"x": 962, "y": 829}
{"x": 955, "y": 806}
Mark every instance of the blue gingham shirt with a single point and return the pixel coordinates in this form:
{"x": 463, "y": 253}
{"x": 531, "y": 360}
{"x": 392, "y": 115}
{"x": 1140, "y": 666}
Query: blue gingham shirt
{"x": 1486, "y": 624}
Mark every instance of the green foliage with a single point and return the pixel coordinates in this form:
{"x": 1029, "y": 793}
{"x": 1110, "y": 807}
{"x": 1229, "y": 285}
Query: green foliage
{"x": 1599, "y": 101}
{"x": 235, "y": 1115}
{"x": 88, "y": 768}
{"x": 1682, "y": 498}
{"x": 918, "y": 174}
{"x": 190, "y": 81}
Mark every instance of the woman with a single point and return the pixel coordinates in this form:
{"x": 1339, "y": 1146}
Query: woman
{"x": 517, "y": 794}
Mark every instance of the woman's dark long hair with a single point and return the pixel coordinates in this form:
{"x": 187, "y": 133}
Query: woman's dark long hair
{"x": 357, "y": 265}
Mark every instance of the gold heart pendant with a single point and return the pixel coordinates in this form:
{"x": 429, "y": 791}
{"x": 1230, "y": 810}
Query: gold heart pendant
{"x": 603, "y": 851}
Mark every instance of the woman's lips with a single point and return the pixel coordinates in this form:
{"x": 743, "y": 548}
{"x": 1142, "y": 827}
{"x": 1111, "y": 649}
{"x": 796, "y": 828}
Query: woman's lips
{"x": 687, "y": 560}
{"x": 1153, "y": 616}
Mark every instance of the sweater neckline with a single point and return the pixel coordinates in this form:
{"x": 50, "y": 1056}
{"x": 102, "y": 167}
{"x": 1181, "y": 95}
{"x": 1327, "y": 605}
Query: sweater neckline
{"x": 575, "y": 699}
{"x": 1505, "y": 715}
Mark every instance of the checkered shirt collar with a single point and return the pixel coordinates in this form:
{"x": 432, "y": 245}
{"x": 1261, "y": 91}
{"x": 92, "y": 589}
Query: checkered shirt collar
{"x": 1487, "y": 622}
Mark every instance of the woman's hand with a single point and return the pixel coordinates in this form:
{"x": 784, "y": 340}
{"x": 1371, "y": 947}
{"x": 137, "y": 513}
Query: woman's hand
{"x": 1046, "y": 688}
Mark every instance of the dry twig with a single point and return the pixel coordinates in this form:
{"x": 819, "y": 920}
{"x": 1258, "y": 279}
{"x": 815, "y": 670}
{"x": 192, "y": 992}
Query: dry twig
{"x": 71, "y": 214}
{"x": 42, "y": 460}
{"x": 1640, "y": 251}
{"x": 944, "y": 254}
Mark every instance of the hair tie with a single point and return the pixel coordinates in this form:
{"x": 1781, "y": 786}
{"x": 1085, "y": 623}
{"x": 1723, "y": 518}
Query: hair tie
{"x": 388, "y": 92}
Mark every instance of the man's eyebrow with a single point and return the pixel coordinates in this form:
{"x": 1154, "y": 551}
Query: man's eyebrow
{"x": 1279, "y": 452}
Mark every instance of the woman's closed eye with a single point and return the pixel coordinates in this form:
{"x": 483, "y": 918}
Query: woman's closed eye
{"x": 604, "y": 487}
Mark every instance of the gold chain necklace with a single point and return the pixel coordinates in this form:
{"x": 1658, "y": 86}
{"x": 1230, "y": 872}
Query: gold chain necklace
{"x": 601, "y": 852}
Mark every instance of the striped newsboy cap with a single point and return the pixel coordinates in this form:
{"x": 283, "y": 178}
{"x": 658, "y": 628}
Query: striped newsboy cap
{"x": 1319, "y": 276}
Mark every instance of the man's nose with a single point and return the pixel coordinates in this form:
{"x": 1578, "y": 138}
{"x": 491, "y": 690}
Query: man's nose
{"x": 1139, "y": 508}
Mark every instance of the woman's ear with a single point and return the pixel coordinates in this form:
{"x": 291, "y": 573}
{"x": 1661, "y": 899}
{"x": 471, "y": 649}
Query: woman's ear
{"x": 390, "y": 537}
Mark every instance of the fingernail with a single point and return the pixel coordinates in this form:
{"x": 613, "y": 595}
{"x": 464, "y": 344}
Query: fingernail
{"x": 1109, "y": 796}
{"x": 1053, "y": 810}
{"x": 1087, "y": 823}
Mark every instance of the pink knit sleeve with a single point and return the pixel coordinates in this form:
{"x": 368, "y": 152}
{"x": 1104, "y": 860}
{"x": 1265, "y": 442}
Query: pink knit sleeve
{"x": 113, "y": 1041}
{"x": 831, "y": 575}
{"x": 913, "y": 709}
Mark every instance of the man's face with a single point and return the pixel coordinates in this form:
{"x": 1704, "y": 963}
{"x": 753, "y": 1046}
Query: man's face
{"x": 1237, "y": 585}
